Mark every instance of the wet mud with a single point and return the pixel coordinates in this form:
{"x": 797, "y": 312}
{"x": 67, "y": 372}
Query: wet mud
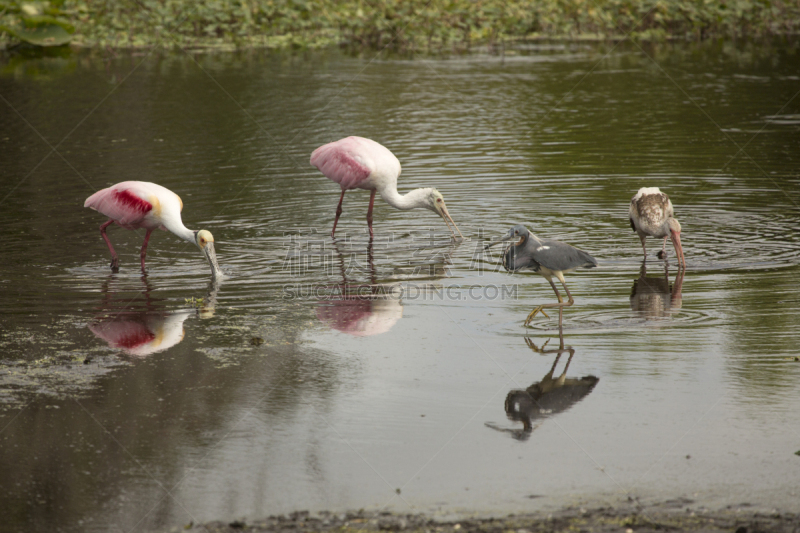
{"x": 669, "y": 515}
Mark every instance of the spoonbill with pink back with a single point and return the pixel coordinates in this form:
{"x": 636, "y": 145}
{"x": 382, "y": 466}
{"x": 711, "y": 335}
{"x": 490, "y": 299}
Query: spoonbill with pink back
{"x": 140, "y": 204}
{"x": 359, "y": 163}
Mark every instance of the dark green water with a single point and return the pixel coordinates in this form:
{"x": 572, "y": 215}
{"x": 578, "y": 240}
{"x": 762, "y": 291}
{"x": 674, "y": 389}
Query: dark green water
{"x": 267, "y": 396}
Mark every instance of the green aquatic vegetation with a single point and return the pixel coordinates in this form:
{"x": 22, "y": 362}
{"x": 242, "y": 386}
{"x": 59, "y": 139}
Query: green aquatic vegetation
{"x": 36, "y": 23}
{"x": 407, "y": 25}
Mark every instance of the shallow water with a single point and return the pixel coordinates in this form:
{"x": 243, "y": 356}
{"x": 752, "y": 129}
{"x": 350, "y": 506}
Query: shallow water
{"x": 328, "y": 375}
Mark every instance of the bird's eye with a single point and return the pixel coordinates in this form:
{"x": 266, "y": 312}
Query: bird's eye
{"x": 438, "y": 199}
{"x": 202, "y": 240}
{"x": 516, "y": 233}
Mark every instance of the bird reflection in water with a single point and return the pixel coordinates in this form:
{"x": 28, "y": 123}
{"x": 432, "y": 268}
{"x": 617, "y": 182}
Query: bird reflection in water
{"x": 361, "y": 309}
{"x": 654, "y": 297}
{"x": 141, "y": 331}
{"x": 547, "y": 397}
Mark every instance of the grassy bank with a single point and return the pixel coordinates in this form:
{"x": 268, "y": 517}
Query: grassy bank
{"x": 405, "y": 25}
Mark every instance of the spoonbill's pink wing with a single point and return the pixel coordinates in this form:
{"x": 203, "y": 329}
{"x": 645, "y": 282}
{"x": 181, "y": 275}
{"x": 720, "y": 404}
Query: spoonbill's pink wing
{"x": 343, "y": 161}
{"x": 124, "y": 203}
{"x": 123, "y": 334}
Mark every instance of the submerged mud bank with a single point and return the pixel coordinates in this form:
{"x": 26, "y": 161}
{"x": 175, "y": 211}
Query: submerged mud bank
{"x": 671, "y": 515}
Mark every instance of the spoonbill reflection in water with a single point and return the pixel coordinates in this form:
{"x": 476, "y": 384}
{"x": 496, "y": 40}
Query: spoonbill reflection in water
{"x": 359, "y": 163}
{"x": 361, "y": 310}
{"x": 141, "y": 331}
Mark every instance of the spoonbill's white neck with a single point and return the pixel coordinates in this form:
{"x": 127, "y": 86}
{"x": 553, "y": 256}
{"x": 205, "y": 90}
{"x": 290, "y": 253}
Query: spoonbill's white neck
{"x": 177, "y": 227}
{"x": 411, "y": 200}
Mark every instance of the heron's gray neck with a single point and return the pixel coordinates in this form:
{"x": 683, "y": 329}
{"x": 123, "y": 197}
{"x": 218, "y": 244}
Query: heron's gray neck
{"x": 414, "y": 199}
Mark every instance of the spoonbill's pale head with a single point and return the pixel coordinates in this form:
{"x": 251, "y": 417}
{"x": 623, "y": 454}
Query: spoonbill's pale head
{"x": 435, "y": 202}
{"x": 205, "y": 241}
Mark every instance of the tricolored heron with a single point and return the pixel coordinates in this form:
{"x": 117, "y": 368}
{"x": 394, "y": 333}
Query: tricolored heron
{"x": 548, "y": 257}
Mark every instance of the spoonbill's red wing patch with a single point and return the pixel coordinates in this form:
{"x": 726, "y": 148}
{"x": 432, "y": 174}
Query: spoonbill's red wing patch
{"x": 340, "y": 165}
{"x": 131, "y": 201}
{"x": 121, "y": 205}
{"x": 125, "y": 334}
{"x": 135, "y": 339}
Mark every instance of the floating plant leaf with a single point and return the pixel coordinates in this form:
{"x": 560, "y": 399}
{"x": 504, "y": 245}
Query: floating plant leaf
{"x": 37, "y": 21}
{"x": 42, "y": 35}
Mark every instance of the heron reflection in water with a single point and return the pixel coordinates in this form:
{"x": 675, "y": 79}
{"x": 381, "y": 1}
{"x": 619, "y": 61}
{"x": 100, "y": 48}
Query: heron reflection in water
{"x": 140, "y": 331}
{"x": 654, "y": 297}
{"x": 550, "y": 396}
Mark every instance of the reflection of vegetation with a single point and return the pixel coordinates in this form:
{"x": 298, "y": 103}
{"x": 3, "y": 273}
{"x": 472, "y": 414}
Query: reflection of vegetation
{"x": 39, "y": 64}
{"x": 405, "y": 25}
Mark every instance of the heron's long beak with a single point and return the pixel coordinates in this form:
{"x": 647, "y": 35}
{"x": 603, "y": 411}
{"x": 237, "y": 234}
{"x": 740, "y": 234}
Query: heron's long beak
{"x": 449, "y": 220}
{"x": 504, "y": 239}
{"x": 676, "y": 242}
{"x": 211, "y": 257}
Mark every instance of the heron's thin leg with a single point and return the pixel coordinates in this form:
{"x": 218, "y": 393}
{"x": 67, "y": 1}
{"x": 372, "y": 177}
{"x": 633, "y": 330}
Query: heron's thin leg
{"x": 560, "y": 305}
{"x": 664, "y": 248}
{"x": 556, "y": 291}
{"x": 570, "y": 302}
{"x": 369, "y": 213}
{"x": 143, "y": 253}
{"x": 549, "y": 376}
{"x": 563, "y": 377}
{"x": 114, "y": 258}
{"x": 338, "y": 213}
{"x": 564, "y": 283}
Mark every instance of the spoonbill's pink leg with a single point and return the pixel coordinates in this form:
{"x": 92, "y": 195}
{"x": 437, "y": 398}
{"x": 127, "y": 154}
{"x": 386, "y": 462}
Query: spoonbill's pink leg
{"x": 114, "y": 258}
{"x": 338, "y": 213}
{"x": 369, "y": 213}
{"x": 144, "y": 247}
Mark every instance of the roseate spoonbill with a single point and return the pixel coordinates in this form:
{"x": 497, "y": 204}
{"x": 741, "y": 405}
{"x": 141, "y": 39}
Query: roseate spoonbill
{"x": 651, "y": 215}
{"x": 359, "y": 163}
{"x": 548, "y": 257}
{"x": 139, "y": 204}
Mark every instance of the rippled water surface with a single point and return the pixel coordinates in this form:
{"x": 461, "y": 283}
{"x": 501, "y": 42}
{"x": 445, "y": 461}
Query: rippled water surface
{"x": 341, "y": 374}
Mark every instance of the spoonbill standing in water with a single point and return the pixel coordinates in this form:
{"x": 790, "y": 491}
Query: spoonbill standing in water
{"x": 359, "y": 163}
{"x": 651, "y": 215}
{"x": 139, "y": 204}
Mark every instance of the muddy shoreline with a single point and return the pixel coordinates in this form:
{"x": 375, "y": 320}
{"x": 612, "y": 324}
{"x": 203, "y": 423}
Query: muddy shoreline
{"x": 670, "y": 515}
